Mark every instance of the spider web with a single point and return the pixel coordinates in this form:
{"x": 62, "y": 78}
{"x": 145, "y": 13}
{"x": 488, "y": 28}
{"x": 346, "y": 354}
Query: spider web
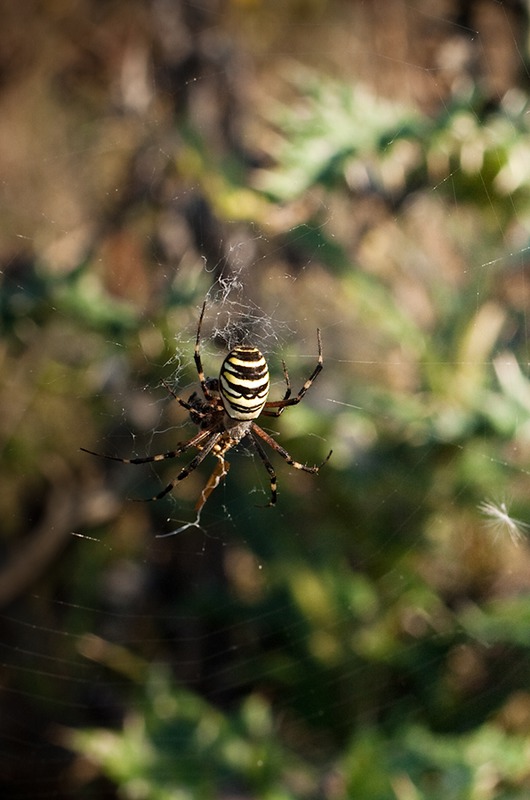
{"x": 280, "y": 620}
{"x": 232, "y": 318}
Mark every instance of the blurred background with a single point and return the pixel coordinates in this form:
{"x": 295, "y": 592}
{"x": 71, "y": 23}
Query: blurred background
{"x": 359, "y": 167}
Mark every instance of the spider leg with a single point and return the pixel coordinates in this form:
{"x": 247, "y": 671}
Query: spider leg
{"x": 280, "y": 405}
{"x": 184, "y": 403}
{"x": 287, "y": 381}
{"x": 197, "y": 413}
{"x": 284, "y": 454}
{"x": 168, "y": 388}
{"x": 220, "y": 471}
{"x": 197, "y": 357}
{"x": 180, "y": 448}
{"x": 194, "y": 463}
{"x": 268, "y": 466}
{"x": 286, "y": 395}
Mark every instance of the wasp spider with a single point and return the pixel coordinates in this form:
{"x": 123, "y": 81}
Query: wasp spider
{"x": 226, "y": 415}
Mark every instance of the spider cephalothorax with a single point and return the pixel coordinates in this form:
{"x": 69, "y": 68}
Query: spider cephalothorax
{"x": 226, "y": 414}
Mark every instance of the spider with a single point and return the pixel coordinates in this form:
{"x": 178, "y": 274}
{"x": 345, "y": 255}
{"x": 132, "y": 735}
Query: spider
{"x": 226, "y": 415}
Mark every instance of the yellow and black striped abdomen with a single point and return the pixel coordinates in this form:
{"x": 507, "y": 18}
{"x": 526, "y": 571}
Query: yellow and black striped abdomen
{"x": 244, "y": 383}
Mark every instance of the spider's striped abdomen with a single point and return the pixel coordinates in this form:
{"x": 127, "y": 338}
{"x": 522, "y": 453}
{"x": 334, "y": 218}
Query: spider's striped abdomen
{"x": 244, "y": 383}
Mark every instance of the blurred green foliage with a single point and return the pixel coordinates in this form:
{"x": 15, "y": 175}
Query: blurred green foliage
{"x": 382, "y": 663}
{"x": 181, "y": 747}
